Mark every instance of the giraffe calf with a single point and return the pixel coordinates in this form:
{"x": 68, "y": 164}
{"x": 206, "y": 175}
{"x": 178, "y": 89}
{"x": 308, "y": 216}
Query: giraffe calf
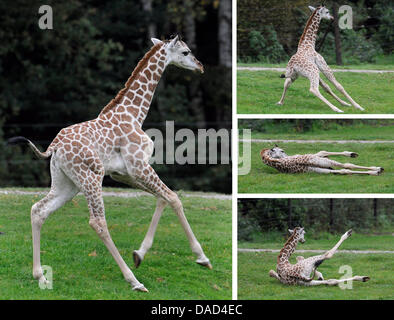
{"x": 318, "y": 162}
{"x": 300, "y": 273}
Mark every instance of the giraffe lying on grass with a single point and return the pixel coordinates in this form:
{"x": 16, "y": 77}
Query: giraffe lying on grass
{"x": 318, "y": 162}
{"x": 308, "y": 63}
{"x": 114, "y": 144}
{"x": 300, "y": 273}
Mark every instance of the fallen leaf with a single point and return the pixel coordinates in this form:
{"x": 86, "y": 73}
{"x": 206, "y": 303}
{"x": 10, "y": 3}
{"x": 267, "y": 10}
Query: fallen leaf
{"x": 93, "y": 254}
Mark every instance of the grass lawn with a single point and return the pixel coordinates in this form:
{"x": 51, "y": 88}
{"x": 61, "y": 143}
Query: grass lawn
{"x": 255, "y": 283}
{"x": 84, "y": 269}
{"x": 259, "y": 91}
{"x": 353, "y": 132}
{"x": 264, "y": 179}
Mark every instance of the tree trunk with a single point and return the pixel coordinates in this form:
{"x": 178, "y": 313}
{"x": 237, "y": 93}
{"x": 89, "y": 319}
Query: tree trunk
{"x": 338, "y": 47}
{"x": 225, "y": 33}
{"x": 331, "y": 215}
{"x": 375, "y": 211}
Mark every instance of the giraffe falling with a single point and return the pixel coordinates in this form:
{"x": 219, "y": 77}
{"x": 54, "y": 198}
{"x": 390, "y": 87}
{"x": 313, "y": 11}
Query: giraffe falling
{"x": 300, "y": 273}
{"x": 307, "y": 63}
{"x": 318, "y": 162}
{"x": 114, "y": 144}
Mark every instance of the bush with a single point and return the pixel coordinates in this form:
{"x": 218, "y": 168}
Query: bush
{"x": 265, "y": 47}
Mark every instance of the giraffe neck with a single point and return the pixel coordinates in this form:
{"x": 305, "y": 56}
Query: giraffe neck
{"x": 135, "y": 98}
{"x": 308, "y": 37}
{"x": 287, "y": 250}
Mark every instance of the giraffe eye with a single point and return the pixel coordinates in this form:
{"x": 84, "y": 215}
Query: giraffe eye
{"x": 185, "y": 53}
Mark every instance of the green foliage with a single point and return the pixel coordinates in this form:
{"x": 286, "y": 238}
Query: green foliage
{"x": 372, "y": 33}
{"x": 265, "y": 47}
{"x": 356, "y": 48}
{"x": 50, "y": 79}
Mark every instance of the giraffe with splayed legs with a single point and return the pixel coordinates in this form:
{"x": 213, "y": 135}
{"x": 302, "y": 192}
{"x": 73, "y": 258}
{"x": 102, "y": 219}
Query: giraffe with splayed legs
{"x": 304, "y": 271}
{"x": 317, "y": 162}
{"x": 114, "y": 144}
{"x": 308, "y": 63}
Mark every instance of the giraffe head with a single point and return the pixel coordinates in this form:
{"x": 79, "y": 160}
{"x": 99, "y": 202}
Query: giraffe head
{"x": 179, "y": 54}
{"x": 323, "y": 12}
{"x": 276, "y": 153}
{"x": 298, "y": 233}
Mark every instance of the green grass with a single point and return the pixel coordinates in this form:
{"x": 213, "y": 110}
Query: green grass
{"x": 264, "y": 179}
{"x": 259, "y": 91}
{"x": 255, "y": 283}
{"x": 353, "y": 132}
{"x": 168, "y": 271}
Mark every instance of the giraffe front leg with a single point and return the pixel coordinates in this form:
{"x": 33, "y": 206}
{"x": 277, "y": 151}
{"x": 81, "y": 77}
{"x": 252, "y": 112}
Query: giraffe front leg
{"x": 325, "y": 154}
{"x": 146, "y": 177}
{"x": 335, "y": 282}
{"x": 273, "y": 274}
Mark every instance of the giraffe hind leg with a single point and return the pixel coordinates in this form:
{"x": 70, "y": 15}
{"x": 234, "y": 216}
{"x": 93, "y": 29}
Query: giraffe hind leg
{"x": 329, "y": 91}
{"x": 62, "y": 190}
{"x": 325, "y": 69}
{"x": 90, "y": 183}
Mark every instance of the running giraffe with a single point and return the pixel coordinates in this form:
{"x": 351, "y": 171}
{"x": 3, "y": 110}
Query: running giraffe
{"x": 307, "y": 63}
{"x": 114, "y": 144}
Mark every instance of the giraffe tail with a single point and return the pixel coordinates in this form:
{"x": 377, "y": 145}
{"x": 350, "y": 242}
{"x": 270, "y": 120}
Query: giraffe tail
{"x": 283, "y": 75}
{"x": 20, "y": 140}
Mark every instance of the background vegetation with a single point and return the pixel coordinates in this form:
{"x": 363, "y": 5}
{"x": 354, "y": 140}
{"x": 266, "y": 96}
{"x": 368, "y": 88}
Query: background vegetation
{"x": 319, "y": 217}
{"x": 268, "y": 31}
{"x": 53, "y": 78}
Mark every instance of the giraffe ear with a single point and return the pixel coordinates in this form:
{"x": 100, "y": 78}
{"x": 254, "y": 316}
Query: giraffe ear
{"x": 156, "y": 41}
{"x": 311, "y": 8}
{"x": 291, "y": 231}
{"x": 173, "y": 42}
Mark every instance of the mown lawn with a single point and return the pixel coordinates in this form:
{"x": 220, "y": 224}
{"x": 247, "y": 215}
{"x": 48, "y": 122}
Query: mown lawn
{"x": 255, "y": 283}
{"x": 351, "y": 132}
{"x": 84, "y": 269}
{"x": 259, "y": 91}
{"x": 264, "y": 179}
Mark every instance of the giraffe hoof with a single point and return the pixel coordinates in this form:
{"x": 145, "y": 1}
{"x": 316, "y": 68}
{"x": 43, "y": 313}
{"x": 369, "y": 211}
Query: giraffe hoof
{"x": 137, "y": 259}
{"x": 349, "y": 232}
{"x": 365, "y": 279}
{"x": 353, "y": 155}
{"x": 140, "y": 287}
{"x": 279, "y": 103}
{"x": 206, "y": 264}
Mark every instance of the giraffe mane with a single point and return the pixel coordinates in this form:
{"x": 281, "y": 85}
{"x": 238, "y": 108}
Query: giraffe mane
{"x": 308, "y": 23}
{"x": 134, "y": 75}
